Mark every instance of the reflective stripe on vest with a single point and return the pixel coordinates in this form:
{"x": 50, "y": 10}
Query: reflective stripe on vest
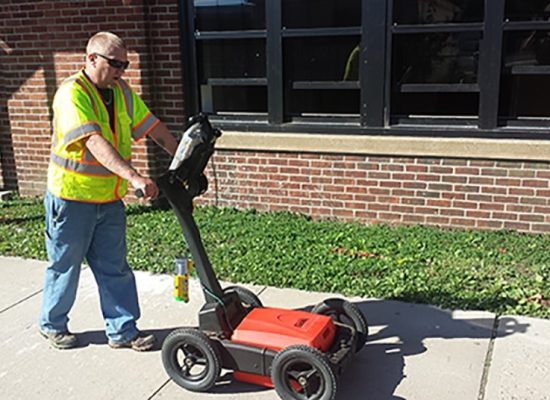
{"x": 128, "y": 99}
{"x": 81, "y": 168}
{"x": 80, "y": 131}
{"x": 87, "y": 155}
{"x": 146, "y": 124}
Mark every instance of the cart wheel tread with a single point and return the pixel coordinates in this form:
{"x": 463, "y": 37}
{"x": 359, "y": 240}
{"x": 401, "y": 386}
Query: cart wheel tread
{"x": 336, "y": 307}
{"x": 190, "y": 359}
{"x": 303, "y": 372}
{"x": 248, "y": 297}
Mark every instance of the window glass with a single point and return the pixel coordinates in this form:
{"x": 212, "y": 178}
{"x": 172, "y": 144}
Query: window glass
{"x": 224, "y": 15}
{"x": 321, "y": 13}
{"x": 436, "y": 58}
{"x": 526, "y": 48}
{"x": 322, "y": 58}
{"x": 518, "y": 99}
{"x": 231, "y": 58}
{"x": 435, "y": 104}
{"x": 437, "y": 11}
{"x": 525, "y": 82}
{"x": 531, "y": 10}
{"x": 311, "y": 103}
{"x": 234, "y": 99}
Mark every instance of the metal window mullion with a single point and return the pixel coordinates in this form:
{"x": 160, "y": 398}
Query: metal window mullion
{"x": 388, "y": 62}
{"x": 216, "y": 35}
{"x": 437, "y": 28}
{"x": 274, "y": 61}
{"x": 490, "y": 64}
{"x": 372, "y": 65}
{"x": 526, "y": 25}
{"x": 190, "y": 81}
{"x": 320, "y": 32}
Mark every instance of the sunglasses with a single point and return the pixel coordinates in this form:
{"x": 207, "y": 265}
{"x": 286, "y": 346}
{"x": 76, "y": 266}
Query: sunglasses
{"x": 114, "y": 62}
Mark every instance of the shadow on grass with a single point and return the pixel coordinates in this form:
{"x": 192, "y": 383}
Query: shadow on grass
{"x": 20, "y": 220}
{"x": 160, "y": 204}
{"x": 457, "y": 300}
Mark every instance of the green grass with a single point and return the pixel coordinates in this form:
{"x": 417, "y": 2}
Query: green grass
{"x": 502, "y": 272}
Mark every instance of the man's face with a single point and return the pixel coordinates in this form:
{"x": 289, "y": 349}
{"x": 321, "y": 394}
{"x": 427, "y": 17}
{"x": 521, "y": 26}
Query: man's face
{"x": 105, "y": 73}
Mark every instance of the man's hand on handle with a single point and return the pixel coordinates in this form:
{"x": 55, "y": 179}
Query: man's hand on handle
{"x": 145, "y": 187}
{"x": 108, "y": 156}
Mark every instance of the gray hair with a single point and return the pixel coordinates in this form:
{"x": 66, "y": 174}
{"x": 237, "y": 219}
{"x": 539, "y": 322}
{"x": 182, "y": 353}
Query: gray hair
{"x": 102, "y": 42}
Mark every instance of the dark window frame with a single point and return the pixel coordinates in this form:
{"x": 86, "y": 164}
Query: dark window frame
{"x": 376, "y": 44}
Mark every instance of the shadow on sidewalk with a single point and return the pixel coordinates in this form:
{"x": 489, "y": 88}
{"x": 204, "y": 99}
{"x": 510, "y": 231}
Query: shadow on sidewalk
{"x": 398, "y": 330}
{"x": 89, "y": 338}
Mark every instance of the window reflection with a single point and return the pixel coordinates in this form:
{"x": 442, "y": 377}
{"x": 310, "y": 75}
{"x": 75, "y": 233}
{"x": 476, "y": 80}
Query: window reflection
{"x": 437, "y": 11}
{"x": 436, "y": 103}
{"x": 322, "y": 58}
{"x": 527, "y": 48}
{"x": 311, "y": 103}
{"x": 225, "y": 15}
{"x": 233, "y": 99}
{"x": 241, "y": 58}
{"x": 531, "y": 10}
{"x": 321, "y": 13}
{"x": 524, "y": 96}
{"x": 526, "y": 57}
{"x": 436, "y": 58}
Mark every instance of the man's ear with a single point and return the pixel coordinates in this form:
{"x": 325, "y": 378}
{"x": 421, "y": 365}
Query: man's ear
{"x": 91, "y": 58}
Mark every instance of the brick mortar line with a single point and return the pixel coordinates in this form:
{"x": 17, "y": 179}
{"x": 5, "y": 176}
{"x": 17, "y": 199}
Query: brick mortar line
{"x": 488, "y": 360}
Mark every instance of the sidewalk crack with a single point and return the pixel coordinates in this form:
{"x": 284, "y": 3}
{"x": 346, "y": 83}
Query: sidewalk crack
{"x": 488, "y": 359}
{"x": 20, "y": 301}
{"x": 261, "y": 291}
{"x": 159, "y": 389}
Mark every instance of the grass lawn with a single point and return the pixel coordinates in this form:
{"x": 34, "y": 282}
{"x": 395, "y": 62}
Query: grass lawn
{"x": 502, "y": 272}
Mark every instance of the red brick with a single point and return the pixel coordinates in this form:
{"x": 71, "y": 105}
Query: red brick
{"x": 505, "y": 216}
{"x": 489, "y": 224}
{"x": 478, "y": 214}
{"x": 465, "y": 222}
{"x": 438, "y": 220}
{"x": 531, "y": 218}
{"x": 540, "y": 228}
{"x": 543, "y": 174}
{"x": 516, "y": 226}
{"x": 417, "y": 219}
{"x": 535, "y": 183}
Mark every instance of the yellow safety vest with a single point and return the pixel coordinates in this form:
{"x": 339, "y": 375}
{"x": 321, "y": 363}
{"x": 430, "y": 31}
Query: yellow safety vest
{"x": 79, "y": 111}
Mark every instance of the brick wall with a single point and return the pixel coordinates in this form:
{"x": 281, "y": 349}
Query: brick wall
{"x": 43, "y": 42}
{"x": 460, "y": 193}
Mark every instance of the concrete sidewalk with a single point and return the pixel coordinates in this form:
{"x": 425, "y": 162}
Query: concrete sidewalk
{"x": 414, "y": 352}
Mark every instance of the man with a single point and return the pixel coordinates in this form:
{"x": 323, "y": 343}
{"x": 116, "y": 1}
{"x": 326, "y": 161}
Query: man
{"x": 96, "y": 114}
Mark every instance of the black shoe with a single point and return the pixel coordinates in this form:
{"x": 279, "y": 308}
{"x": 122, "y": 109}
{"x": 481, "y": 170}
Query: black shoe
{"x": 60, "y": 340}
{"x": 142, "y": 342}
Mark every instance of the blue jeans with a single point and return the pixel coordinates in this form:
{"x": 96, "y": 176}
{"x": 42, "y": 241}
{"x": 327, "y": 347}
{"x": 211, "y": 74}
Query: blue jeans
{"x": 75, "y": 230}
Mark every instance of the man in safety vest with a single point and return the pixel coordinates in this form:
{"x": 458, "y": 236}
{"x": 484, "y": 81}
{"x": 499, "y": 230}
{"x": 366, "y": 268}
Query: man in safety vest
{"x": 96, "y": 116}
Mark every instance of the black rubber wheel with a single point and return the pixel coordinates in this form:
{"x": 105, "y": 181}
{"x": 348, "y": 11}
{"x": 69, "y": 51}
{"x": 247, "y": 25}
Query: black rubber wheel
{"x": 248, "y": 298}
{"x": 301, "y": 372}
{"x": 343, "y": 311}
{"x": 191, "y": 360}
